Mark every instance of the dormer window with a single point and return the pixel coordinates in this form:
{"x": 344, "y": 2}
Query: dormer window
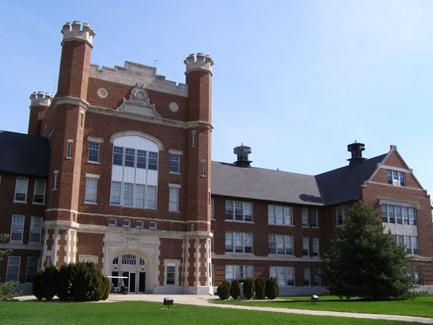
{"x": 396, "y": 178}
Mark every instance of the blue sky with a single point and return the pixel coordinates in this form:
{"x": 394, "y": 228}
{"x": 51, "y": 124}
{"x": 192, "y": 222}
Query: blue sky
{"x": 295, "y": 80}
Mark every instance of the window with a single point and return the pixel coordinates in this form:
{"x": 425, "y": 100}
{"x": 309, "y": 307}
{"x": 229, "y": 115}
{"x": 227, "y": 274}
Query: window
{"x": 39, "y": 191}
{"x": 13, "y": 269}
{"x": 238, "y": 242}
{"x": 35, "y": 234}
{"x": 304, "y": 216}
{"x": 69, "y": 145}
{"x": 93, "y": 151}
{"x": 141, "y": 159}
{"x": 280, "y": 215}
{"x": 315, "y": 276}
{"x": 280, "y": 244}
{"x": 341, "y": 215}
{"x": 307, "y": 274}
{"x": 153, "y": 160}
{"x": 193, "y": 138}
{"x": 305, "y": 246}
{"x": 315, "y": 246}
{"x": 170, "y": 275}
{"x": 139, "y": 195}
{"x": 213, "y": 209}
{"x": 315, "y": 218}
{"x": 173, "y": 201}
{"x": 126, "y": 223}
{"x": 411, "y": 243}
{"x": 174, "y": 163}
{"x": 129, "y": 260}
{"x": 31, "y": 268}
{"x": 129, "y": 157}
{"x": 17, "y": 228}
{"x": 91, "y": 190}
{"x": 139, "y": 224}
{"x": 396, "y": 177}
{"x": 151, "y": 197}
{"x": 285, "y": 275}
{"x": 398, "y": 214}
{"x": 238, "y": 211}
{"x": 21, "y": 184}
{"x": 81, "y": 119}
{"x": 153, "y": 225}
{"x": 234, "y": 272}
{"x": 416, "y": 274}
{"x": 112, "y": 222}
{"x": 55, "y": 177}
{"x": 115, "y": 193}
{"x": 118, "y": 156}
{"x": 202, "y": 167}
{"x": 128, "y": 192}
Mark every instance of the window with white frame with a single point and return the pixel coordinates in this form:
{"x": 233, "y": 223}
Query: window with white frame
{"x": 170, "y": 274}
{"x": 134, "y": 178}
{"x": 93, "y": 151}
{"x": 305, "y": 246}
{"x": 202, "y": 167}
{"x": 69, "y": 147}
{"x": 236, "y": 272}
{"x": 307, "y": 275}
{"x": 17, "y": 228}
{"x": 35, "y": 234}
{"x": 39, "y": 191}
{"x": 396, "y": 214}
{"x": 304, "y": 216}
{"x": 126, "y": 223}
{"x": 174, "y": 163}
{"x": 21, "y": 185}
{"x": 238, "y": 211}
{"x": 173, "y": 198}
{"x": 13, "y": 268}
{"x": 396, "y": 178}
{"x": 112, "y": 222}
{"x": 411, "y": 243}
{"x": 285, "y": 275}
{"x": 55, "y": 179}
{"x": 280, "y": 215}
{"x": 315, "y": 245}
{"x": 341, "y": 215}
{"x": 280, "y": 244}
{"x": 31, "y": 268}
{"x": 314, "y": 222}
{"x": 91, "y": 190}
{"x": 238, "y": 242}
{"x": 139, "y": 224}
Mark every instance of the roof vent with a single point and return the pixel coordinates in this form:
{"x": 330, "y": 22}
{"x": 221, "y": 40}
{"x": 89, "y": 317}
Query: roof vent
{"x": 356, "y": 150}
{"x": 242, "y": 152}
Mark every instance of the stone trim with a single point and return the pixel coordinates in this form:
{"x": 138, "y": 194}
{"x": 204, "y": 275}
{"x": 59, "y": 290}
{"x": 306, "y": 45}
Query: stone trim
{"x": 264, "y": 258}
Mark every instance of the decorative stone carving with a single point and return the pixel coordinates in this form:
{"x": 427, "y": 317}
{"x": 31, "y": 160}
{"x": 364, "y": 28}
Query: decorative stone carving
{"x": 138, "y": 103}
{"x": 174, "y": 107}
{"x": 102, "y": 93}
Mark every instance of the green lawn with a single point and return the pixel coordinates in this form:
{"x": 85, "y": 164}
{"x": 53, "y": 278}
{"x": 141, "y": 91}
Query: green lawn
{"x": 419, "y": 306}
{"x": 149, "y": 313}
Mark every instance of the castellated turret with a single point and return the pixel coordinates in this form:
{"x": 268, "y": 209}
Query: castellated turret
{"x": 78, "y": 31}
{"x": 40, "y": 98}
{"x": 199, "y": 61}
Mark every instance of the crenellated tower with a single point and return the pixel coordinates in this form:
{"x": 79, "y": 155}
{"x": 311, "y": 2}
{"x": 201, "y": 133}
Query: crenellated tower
{"x": 39, "y": 103}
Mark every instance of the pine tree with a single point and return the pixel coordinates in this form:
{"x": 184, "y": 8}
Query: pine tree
{"x": 364, "y": 261}
{"x": 3, "y": 253}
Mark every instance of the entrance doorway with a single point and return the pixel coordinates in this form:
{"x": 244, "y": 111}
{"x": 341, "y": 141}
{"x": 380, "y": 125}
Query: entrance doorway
{"x": 132, "y": 270}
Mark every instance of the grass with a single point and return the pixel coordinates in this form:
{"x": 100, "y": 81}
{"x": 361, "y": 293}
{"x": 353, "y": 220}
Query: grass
{"x": 150, "y": 313}
{"x": 419, "y": 306}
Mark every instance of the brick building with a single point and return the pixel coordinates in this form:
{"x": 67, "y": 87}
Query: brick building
{"x": 116, "y": 170}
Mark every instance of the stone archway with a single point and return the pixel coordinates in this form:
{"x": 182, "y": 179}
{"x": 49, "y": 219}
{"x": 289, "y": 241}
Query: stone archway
{"x": 131, "y": 265}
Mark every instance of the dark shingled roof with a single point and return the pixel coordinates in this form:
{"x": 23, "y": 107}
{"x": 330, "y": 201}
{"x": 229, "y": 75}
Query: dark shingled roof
{"x": 333, "y": 187}
{"x": 24, "y": 154}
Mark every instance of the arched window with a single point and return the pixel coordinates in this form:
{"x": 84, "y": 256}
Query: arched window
{"x": 134, "y": 177}
{"x": 129, "y": 260}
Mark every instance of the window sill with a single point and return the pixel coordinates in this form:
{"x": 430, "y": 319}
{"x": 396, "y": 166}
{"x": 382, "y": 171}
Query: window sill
{"x": 281, "y": 225}
{"x": 239, "y": 254}
{"x": 174, "y": 173}
{"x": 281, "y": 255}
{"x": 38, "y": 203}
{"x": 68, "y": 158}
{"x": 130, "y": 207}
{"x": 90, "y": 203}
{"x": 93, "y": 162}
{"x": 19, "y": 202}
{"x": 239, "y": 221}
{"x": 174, "y": 211}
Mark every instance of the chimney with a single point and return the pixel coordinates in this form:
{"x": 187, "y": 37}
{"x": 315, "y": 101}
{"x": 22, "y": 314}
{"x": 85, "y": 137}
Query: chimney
{"x": 356, "y": 150}
{"x": 242, "y": 152}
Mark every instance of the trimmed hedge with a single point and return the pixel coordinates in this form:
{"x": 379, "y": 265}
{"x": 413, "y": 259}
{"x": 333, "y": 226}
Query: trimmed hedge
{"x": 235, "y": 289}
{"x": 259, "y": 284}
{"x": 249, "y": 289}
{"x": 45, "y": 284}
{"x": 272, "y": 289}
{"x": 223, "y": 290}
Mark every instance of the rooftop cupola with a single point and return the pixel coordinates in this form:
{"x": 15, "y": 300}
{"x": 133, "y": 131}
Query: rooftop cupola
{"x": 242, "y": 152}
{"x": 356, "y": 150}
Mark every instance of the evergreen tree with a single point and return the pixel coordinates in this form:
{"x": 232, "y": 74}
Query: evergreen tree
{"x": 365, "y": 262}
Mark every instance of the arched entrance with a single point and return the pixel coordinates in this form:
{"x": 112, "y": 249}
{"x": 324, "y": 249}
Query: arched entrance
{"x": 133, "y": 270}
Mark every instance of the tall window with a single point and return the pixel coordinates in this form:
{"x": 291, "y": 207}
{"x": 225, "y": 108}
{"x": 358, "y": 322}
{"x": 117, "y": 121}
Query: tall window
{"x": 411, "y": 243}
{"x": 91, "y": 190}
{"x": 69, "y": 145}
{"x": 93, "y": 151}
{"x": 39, "y": 191}
{"x": 238, "y": 210}
{"x": 315, "y": 218}
{"x": 31, "y": 268}
{"x": 398, "y": 214}
{"x": 280, "y": 244}
{"x": 238, "y": 242}
{"x": 17, "y": 228}
{"x": 134, "y": 177}
{"x": 305, "y": 246}
{"x": 174, "y": 163}
{"x": 285, "y": 275}
{"x": 315, "y": 246}
{"x": 396, "y": 177}
{"x": 280, "y": 215}
{"x": 235, "y": 272}
{"x": 13, "y": 269}
{"x": 21, "y": 184}
{"x": 35, "y": 234}
{"x": 304, "y": 216}
{"x": 170, "y": 275}
{"x": 173, "y": 200}
{"x": 341, "y": 215}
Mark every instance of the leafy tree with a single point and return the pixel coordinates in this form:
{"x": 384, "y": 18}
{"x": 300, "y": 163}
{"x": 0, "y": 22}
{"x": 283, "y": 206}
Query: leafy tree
{"x": 364, "y": 261}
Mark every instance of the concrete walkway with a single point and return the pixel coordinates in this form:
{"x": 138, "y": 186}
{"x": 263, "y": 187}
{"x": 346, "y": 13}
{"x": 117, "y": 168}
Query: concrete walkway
{"x": 206, "y": 301}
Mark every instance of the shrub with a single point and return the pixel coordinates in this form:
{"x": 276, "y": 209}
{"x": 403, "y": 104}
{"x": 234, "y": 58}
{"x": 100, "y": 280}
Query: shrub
{"x": 235, "y": 289}
{"x": 65, "y": 280}
{"x": 49, "y": 282}
{"x": 8, "y": 290}
{"x": 38, "y": 285}
{"x": 248, "y": 288}
{"x": 259, "y": 284}
{"x": 223, "y": 290}
{"x": 105, "y": 286}
{"x": 272, "y": 290}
